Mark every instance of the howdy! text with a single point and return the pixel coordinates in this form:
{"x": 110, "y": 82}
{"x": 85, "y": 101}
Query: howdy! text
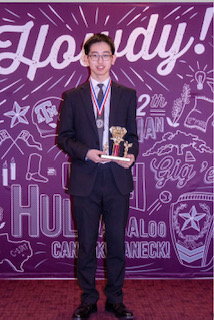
{"x": 23, "y": 34}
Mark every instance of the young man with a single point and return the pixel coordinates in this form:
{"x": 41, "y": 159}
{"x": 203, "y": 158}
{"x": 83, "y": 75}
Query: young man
{"x": 99, "y": 186}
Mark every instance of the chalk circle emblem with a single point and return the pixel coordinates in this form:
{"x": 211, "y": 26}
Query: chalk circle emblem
{"x": 191, "y": 227}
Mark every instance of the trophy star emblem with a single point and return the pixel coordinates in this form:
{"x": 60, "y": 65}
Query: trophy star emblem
{"x": 118, "y": 132}
{"x": 192, "y": 219}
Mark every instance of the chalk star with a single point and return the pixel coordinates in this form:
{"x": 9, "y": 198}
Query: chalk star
{"x": 192, "y": 219}
{"x": 17, "y": 114}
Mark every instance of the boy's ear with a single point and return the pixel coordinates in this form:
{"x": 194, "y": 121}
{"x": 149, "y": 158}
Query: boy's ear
{"x": 114, "y": 59}
{"x": 85, "y": 59}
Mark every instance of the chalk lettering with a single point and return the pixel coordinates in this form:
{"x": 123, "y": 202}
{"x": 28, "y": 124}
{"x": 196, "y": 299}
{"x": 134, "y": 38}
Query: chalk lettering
{"x": 24, "y": 32}
{"x": 64, "y": 249}
{"x": 146, "y": 250}
{"x": 169, "y": 169}
{"x": 139, "y": 229}
{"x": 209, "y": 176}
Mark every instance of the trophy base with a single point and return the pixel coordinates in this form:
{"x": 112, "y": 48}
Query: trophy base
{"x": 115, "y": 158}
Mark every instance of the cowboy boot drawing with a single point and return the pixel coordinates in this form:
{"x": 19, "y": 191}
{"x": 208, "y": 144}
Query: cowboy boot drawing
{"x": 34, "y": 169}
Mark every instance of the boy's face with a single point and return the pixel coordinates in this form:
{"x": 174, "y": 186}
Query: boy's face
{"x": 100, "y": 60}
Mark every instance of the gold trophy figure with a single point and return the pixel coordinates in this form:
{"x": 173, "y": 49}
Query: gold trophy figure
{"x": 117, "y": 136}
{"x": 105, "y": 147}
{"x": 127, "y": 146}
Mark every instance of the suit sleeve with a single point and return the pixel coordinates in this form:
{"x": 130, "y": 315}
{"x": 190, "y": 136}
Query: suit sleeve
{"x": 67, "y": 133}
{"x": 131, "y": 126}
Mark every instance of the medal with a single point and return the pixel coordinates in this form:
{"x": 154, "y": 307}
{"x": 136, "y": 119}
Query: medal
{"x": 101, "y": 106}
{"x": 99, "y": 123}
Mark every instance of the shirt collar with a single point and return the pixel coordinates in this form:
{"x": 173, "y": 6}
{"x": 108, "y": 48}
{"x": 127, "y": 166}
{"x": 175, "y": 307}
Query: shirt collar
{"x": 95, "y": 82}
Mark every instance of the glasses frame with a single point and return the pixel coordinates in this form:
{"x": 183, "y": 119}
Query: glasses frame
{"x": 96, "y": 57}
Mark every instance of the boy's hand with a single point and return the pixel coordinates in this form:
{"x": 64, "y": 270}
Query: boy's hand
{"x": 126, "y": 164}
{"x": 94, "y": 155}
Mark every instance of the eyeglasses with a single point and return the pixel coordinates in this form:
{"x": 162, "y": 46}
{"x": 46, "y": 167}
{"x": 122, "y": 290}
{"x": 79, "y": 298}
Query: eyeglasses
{"x": 96, "y": 57}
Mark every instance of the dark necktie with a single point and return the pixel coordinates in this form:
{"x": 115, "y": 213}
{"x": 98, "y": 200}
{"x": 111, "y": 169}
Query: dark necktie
{"x": 100, "y": 118}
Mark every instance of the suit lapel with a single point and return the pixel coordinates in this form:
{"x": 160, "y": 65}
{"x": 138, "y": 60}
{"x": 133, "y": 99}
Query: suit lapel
{"x": 114, "y": 104}
{"x": 88, "y": 105}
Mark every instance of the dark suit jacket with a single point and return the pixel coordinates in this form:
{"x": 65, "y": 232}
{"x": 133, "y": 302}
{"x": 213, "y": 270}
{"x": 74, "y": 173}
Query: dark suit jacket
{"x": 78, "y": 133}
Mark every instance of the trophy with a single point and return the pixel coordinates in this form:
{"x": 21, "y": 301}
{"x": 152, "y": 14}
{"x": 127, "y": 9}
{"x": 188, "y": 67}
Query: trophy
{"x": 117, "y": 136}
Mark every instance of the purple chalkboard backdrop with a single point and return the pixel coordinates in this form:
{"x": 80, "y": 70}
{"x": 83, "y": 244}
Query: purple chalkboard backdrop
{"x": 165, "y": 52}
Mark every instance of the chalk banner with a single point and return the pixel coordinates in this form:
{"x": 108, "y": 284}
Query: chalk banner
{"x": 165, "y": 52}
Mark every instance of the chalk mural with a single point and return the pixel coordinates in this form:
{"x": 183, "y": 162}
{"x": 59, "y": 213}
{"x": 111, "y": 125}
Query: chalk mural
{"x": 165, "y": 52}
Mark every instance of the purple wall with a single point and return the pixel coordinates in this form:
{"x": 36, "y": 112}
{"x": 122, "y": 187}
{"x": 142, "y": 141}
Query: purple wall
{"x": 165, "y": 52}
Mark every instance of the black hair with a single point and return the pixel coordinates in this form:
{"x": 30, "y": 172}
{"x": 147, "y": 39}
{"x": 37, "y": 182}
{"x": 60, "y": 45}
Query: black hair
{"x": 98, "y": 37}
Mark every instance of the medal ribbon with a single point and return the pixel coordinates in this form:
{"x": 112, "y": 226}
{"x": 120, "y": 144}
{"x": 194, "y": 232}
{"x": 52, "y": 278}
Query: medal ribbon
{"x": 102, "y": 105}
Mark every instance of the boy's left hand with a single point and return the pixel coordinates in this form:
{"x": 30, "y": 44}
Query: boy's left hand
{"x": 126, "y": 164}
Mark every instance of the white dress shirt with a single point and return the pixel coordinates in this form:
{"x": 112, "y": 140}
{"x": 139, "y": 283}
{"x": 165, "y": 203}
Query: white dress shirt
{"x": 106, "y": 107}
